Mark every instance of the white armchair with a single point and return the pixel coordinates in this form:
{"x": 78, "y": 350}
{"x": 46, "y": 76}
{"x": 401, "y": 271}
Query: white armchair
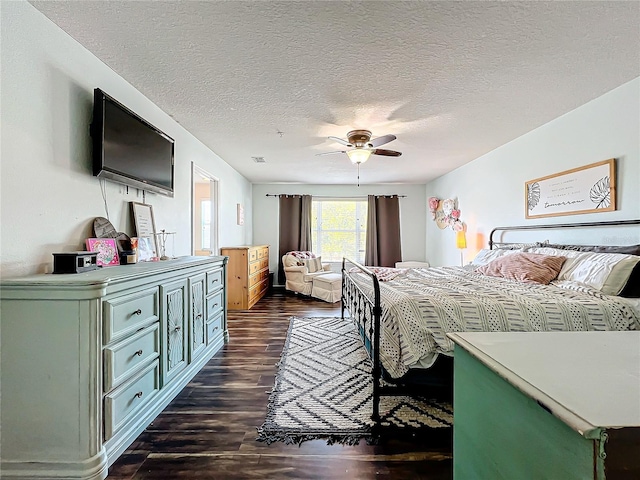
{"x": 296, "y": 265}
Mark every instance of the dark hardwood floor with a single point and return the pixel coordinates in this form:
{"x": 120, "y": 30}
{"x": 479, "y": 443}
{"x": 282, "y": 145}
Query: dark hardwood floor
{"x": 209, "y": 430}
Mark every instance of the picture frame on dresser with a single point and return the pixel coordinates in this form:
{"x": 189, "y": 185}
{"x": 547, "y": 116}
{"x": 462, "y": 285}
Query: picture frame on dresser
{"x": 144, "y": 223}
{"x": 107, "y": 251}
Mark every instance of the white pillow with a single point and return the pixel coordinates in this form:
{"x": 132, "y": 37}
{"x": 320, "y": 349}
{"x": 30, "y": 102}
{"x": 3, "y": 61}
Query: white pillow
{"x": 619, "y": 275}
{"x": 313, "y": 264}
{"x": 606, "y": 272}
{"x": 485, "y": 256}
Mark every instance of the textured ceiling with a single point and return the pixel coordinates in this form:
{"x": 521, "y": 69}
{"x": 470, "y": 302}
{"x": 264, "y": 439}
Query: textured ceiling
{"x": 453, "y": 80}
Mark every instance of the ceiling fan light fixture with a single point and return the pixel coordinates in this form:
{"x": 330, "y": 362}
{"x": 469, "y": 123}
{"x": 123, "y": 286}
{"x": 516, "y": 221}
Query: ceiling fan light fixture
{"x": 359, "y": 155}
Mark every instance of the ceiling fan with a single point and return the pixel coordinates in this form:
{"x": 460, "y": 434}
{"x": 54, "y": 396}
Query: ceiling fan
{"x": 362, "y": 146}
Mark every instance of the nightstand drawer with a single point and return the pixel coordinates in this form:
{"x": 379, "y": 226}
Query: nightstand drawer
{"x": 214, "y": 329}
{"x": 128, "y": 399}
{"x": 128, "y": 313}
{"x": 214, "y": 280}
{"x": 214, "y": 304}
{"x": 122, "y": 359}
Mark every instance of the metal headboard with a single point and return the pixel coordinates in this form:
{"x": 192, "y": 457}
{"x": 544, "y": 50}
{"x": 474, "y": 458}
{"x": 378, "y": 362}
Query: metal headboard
{"x": 558, "y": 225}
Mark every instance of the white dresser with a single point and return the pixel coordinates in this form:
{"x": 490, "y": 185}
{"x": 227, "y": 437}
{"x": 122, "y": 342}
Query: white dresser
{"x": 90, "y": 359}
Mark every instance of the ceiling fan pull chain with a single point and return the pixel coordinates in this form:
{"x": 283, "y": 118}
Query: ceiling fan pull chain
{"x": 358, "y": 174}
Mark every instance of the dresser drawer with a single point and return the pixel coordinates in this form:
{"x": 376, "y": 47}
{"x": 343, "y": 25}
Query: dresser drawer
{"x": 214, "y": 280}
{"x": 214, "y": 329}
{"x": 255, "y": 278}
{"x": 122, "y": 359}
{"x": 263, "y": 252}
{"x": 258, "y": 277}
{"x": 258, "y": 289}
{"x": 128, "y": 313}
{"x": 214, "y": 304}
{"x": 253, "y": 255}
{"x": 128, "y": 399}
{"x": 264, "y": 263}
{"x": 254, "y": 267}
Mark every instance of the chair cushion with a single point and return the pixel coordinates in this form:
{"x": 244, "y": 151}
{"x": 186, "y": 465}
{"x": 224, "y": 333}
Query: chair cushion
{"x": 330, "y": 278}
{"x": 313, "y": 264}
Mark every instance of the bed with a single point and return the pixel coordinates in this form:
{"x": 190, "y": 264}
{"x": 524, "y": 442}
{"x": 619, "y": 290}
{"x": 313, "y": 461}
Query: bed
{"x": 404, "y": 315}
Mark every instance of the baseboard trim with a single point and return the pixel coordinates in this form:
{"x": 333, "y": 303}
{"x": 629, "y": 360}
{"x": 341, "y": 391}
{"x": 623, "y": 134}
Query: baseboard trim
{"x": 94, "y": 468}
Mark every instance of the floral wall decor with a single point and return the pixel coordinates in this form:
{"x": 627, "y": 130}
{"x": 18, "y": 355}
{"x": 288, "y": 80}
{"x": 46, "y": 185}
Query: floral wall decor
{"x": 446, "y": 213}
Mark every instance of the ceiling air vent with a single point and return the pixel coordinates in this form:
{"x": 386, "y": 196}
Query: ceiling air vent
{"x": 259, "y": 159}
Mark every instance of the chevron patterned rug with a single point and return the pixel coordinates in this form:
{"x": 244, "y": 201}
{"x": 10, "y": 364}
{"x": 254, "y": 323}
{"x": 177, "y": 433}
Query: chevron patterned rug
{"x": 323, "y": 389}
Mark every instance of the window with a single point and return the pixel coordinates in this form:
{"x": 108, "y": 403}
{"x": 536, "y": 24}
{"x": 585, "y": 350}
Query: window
{"x": 338, "y": 228}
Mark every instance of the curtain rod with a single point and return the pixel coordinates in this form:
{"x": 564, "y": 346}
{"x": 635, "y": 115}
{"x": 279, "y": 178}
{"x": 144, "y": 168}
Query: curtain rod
{"x": 329, "y": 196}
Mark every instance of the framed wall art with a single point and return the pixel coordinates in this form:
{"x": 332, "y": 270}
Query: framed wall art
{"x": 144, "y": 222}
{"x": 587, "y": 189}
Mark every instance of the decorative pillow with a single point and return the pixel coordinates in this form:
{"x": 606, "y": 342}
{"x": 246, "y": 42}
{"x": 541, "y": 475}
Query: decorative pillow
{"x": 606, "y": 272}
{"x": 301, "y": 256}
{"x": 313, "y": 264}
{"x": 620, "y": 275}
{"x": 485, "y": 256}
{"x": 524, "y": 267}
{"x": 632, "y": 287}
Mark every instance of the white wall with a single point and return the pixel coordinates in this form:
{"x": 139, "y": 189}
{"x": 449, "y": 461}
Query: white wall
{"x": 412, "y": 212}
{"x": 49, "y": 197}
{"x": 490, "y": 190}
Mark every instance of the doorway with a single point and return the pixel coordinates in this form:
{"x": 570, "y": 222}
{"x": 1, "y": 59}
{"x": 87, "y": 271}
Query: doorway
{"x": 204, "y": 212}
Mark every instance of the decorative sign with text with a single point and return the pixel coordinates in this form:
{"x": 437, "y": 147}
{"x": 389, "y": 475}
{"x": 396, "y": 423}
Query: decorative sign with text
{"x": 587, "y": 189}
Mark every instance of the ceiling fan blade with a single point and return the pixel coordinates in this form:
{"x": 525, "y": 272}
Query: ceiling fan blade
{"x": 341, "y": 140}
{"x": 331, "y": 153}
{"x": 386, "y": 153}
{"x": 376, "y": 142}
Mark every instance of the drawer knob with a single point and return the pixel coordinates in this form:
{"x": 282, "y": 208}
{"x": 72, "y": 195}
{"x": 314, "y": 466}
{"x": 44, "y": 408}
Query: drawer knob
{"x": 139, "y": 353}
{"x": 138, "y": 395}
{"x": 137, "y": 312}
{"x": 198, "y": 316}
{"x": 178, "y": 328}
{"x": 214, "y": 280}
{"x": 215, "y": 304}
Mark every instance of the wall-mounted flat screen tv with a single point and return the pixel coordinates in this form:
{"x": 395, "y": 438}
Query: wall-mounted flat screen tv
{"x": 129, "y": 150}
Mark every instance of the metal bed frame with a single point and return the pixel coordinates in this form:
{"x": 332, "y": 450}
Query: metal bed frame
{"x": 366, "y": 311}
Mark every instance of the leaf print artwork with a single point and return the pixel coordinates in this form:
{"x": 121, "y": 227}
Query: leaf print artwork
{"x": 533, "y": 195}
{"x": 600, "y": 193}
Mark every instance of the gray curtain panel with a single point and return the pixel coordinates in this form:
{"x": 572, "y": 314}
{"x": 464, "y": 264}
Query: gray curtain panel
{"x": 295, "y": 227}
{"x": 383, "y": 231}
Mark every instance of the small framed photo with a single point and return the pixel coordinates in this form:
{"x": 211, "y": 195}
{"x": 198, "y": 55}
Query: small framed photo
{"x": 144, "y": 222}
{"x": 107, "y": 251}
{"x": 146, "y": 249}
